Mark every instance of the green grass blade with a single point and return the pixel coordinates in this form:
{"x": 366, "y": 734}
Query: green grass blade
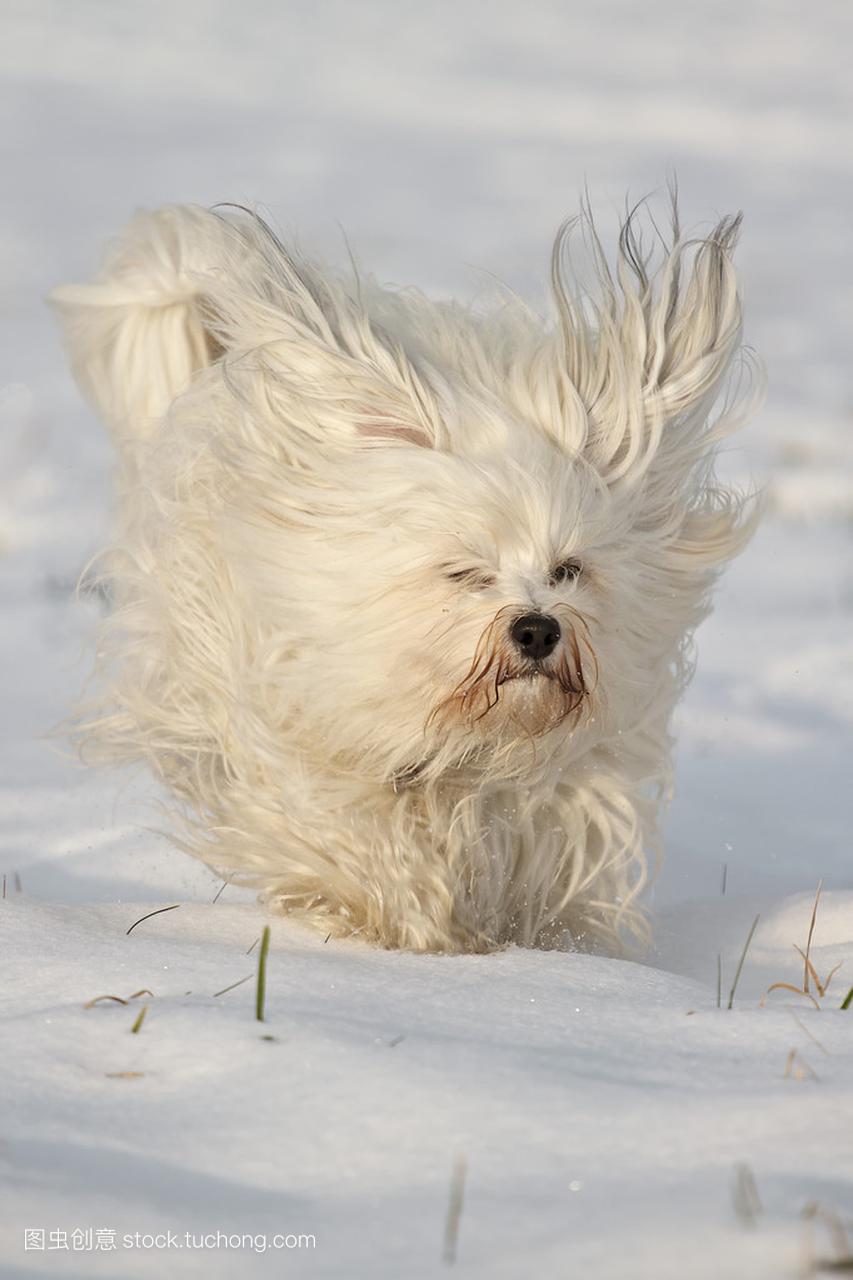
{"x": 140, "y": 1018}
{"x": 261, "y": 991}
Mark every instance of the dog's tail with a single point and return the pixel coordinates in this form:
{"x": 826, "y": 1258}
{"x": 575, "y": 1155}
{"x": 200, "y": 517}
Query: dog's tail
{"x": 138, "y": 334}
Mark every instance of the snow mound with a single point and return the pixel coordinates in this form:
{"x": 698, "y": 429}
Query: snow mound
{"x": 581, "y": 1092}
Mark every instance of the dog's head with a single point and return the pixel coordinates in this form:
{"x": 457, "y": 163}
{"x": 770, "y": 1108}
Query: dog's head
{"x": 474, "y": 538}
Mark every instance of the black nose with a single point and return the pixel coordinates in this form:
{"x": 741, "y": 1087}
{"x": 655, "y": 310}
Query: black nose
{"x": 536, "y": 634}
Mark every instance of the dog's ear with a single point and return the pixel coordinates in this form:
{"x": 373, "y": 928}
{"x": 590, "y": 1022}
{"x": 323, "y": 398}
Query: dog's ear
{"x": 137, "y": 334}
{"x": 301, "y": 348}
{"x": 323, "y": 392}
{"x": 692, "y": 328}
{"x": 648, "y": 355}
{"x": 185, "y": 287}
{"x": 645, "y": 360}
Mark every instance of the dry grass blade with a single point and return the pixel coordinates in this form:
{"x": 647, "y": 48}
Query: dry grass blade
{"x": 800, "y": 1069}
{"x": 454, "y": 1210}
{"x": 842, "y": 1263}
{"x": 797, "y": 1068}
{"x": 809, "y": 941}
{"x": 158, "y": 912}
{"x": 822, "y": 987}
{"x": 124, "y": 1075}
{"x": 810, "y": 973}
{"x": 749, "y": 937}
{"x": 143, "y": 991}
{"x": 789, "y": 986}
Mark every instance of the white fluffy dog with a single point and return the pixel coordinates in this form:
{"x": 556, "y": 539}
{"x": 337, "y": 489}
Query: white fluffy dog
{"x": 403, "y": 591}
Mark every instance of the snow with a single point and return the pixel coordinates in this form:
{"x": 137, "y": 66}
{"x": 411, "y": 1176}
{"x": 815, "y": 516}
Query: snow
{"x": 611, "y": 1118}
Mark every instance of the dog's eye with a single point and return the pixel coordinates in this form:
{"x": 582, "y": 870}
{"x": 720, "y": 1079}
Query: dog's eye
{"x": 473, "y": 579}
{"x": 568, "y": 571}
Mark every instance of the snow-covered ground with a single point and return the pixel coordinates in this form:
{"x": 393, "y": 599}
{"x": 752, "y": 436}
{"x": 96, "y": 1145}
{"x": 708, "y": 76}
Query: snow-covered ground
{"x": 613, "y": 1122}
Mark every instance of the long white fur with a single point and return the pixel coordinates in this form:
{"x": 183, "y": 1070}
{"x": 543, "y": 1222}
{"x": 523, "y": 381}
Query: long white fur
{"x": 331, "y": 496}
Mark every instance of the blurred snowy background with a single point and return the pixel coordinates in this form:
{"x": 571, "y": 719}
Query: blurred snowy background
{"x": 448, "y": 140}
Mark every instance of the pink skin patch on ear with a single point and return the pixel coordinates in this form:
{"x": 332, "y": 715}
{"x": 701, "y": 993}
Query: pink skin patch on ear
{"x": 407, "y": 435}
